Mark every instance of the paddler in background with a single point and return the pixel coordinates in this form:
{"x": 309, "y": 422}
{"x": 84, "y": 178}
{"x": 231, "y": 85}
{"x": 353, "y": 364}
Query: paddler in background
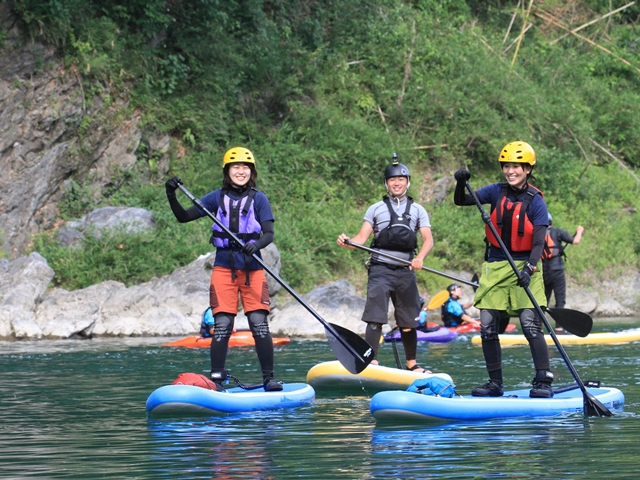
{"x": 247, "y": 213}
{"x": 553, "y": 263}
{"x": 519, "y": 213}
{"x": 453, "y": 311}
{"x": 394, "y": 222}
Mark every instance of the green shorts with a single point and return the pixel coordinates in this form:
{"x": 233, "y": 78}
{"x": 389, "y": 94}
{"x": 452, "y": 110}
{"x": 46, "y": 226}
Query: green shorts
{"x": 498, "y": 289}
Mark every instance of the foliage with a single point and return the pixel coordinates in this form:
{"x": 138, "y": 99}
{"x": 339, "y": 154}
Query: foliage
{"x": 324, "y": 92}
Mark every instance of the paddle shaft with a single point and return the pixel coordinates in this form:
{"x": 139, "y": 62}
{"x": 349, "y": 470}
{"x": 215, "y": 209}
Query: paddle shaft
{"x": 487, "y": 220}
{"x": 573, "y": 321}
{"x": 268, "y": 269}
{"x": 407, "y": 262}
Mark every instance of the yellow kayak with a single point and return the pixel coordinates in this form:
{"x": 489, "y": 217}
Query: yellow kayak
{"x": 609, "y": 338}
{"x": 333, "y": 377}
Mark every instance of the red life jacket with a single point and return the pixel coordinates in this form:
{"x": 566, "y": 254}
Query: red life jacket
{"x": 512, "y": 222}
{"x": 550, "y": 247}
{"x": 551, "y": 250}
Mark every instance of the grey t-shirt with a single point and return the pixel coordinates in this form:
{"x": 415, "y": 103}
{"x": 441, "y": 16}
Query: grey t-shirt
{"x": 378, "y": 216}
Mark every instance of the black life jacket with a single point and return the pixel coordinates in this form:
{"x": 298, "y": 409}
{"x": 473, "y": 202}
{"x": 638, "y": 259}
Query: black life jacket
{"x": 512, "y": 222}
{"x": 398, "y": 235}
{"x": 448, "y": 318}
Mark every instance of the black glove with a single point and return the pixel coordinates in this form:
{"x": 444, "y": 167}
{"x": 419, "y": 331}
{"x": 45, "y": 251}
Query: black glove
{"x": 249, "y": 249}
{"x": 525, "y": 275}
{"x": 462, "y": 175}
{"x": 172, "y": 185}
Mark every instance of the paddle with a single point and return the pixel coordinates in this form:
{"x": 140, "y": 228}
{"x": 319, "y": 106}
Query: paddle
{"x": 352, "y": 351}
{"x": 592, "y": 406}
{"x": 438, "y": 300}
{"x": 573, "y": 321}
{"x": 475, "y": 279}
{"x": 407, "y": 262}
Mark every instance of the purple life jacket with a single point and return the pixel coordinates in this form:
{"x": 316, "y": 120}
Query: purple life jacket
{"x": 239, "y": 217}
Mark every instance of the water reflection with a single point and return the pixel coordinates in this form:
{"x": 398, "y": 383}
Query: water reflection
{"x": 225, "y": 449}
{"x": 74, "y": 409}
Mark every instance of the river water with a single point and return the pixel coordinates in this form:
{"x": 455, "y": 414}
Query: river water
{"x": 76, "y": 409}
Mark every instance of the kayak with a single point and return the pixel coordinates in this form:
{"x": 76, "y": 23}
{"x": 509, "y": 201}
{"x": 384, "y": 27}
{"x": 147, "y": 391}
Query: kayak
{"x": 442, "y": 335}
{"x": 192, "y": 400}
{"x": 470, "y": 327}
{"x": 611, "y": 338}
{"x": 241, "y": 338}
{"x": 412, "y": 407}
{"x": 333, "y": 377}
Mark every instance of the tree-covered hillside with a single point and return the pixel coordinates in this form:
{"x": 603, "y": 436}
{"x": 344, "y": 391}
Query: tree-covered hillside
{"x": 323, "y": 92}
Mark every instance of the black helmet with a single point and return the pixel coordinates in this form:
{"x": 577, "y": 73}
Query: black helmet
{"x": 452, "y": 287}
{"x": 396, "y": 169}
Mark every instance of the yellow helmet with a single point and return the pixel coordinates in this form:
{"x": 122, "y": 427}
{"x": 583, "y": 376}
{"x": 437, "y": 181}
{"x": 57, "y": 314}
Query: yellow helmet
{"x": 518, "y": 152}
{"x": 237, "y": 155}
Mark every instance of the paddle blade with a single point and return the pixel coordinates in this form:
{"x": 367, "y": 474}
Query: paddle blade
{"x": 351, "y": 350}
{"x": 438, "y": 300}
{"x": 475, "y": 279}
{"x": 594, "y": 408}
{"x": 573, "y": 321}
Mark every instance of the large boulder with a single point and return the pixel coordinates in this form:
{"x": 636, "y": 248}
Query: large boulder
{"x": 22, "y": 284}
{"x": 171, "y": 305}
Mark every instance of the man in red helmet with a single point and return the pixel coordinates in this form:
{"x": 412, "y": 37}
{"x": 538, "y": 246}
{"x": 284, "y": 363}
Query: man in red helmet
{"x": 394, "y": 222}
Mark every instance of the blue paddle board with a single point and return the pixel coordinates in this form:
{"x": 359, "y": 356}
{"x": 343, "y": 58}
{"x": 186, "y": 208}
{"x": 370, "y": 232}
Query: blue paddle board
{"x": 409, "y": 406}
{"x": 192, "y": 400}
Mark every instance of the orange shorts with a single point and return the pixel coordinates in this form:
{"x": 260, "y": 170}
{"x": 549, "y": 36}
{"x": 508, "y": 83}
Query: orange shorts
{"x": 223, "y": 291}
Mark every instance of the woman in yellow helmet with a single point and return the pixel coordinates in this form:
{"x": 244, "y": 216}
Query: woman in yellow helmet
{"x": 519, "y": 213}
{"x": 247, "y": 213}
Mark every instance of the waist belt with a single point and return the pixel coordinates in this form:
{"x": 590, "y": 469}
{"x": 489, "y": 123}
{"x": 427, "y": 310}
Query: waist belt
{"x": 391, "y": 267}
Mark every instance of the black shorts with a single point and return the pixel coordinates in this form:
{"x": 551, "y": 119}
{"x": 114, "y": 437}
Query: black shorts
{"x": 397, "y": 284}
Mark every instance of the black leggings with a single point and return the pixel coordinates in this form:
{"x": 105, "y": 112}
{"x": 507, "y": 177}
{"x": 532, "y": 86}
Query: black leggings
{"x": 223, "y": 329}
{"x": 531, "y": 326}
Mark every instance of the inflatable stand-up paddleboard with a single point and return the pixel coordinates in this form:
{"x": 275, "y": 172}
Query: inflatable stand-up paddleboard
{"x": 192, "y": 400}
{"x": 604, "y": 338}
{"x": 332, "y": 377}
{"x": 404, "y": 407}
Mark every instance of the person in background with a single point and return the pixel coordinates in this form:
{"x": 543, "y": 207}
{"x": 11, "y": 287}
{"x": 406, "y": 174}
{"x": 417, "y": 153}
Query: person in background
{"x": 395, "y": 223}
{"x": 519, "y": 213}
{"x": 246, "y": 212}
{"x": 453, "y": 312}
{"x": 553, "y": 262}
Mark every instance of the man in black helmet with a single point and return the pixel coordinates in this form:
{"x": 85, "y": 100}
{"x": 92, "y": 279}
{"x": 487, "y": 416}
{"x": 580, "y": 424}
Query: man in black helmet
{"x": 394, "y": 223}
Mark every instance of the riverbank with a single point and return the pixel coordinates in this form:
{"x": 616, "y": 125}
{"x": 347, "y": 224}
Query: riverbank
{"x": 173, "y": 304}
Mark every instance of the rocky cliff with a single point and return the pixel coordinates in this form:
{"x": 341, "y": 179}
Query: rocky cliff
{"x": 51, "y": 133}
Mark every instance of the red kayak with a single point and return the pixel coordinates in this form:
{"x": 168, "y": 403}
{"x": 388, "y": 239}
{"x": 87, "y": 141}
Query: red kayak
{"x": 470, "y": 327}
{"x": 241, "y": 338}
